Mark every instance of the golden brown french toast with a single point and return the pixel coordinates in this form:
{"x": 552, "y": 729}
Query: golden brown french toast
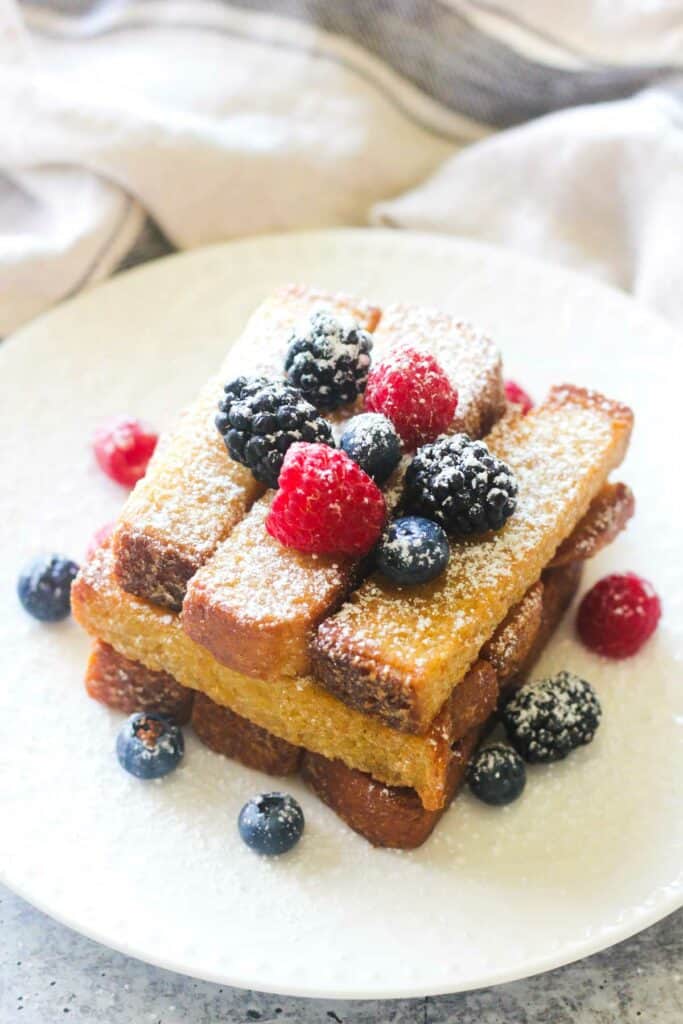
{"x": 233, "y": 736}
{"x": 193, "y": 493}
{"x": 127, "y": 686}
{"x": 296, "y": 710}
{"x": 607, "y": 516}
{"x": 395, "y": 653}
{"x": 385, "y": 815}
{"x": 255, "y": 604}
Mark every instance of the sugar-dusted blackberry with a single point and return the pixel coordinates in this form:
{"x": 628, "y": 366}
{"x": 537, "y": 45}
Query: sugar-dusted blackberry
{"x": 329, "y": 359}
{"x": 460, "y": 485}
{"x": 259, "y": 419}
{"x": 496, "y": 774}
{"x": 547, "y": 720}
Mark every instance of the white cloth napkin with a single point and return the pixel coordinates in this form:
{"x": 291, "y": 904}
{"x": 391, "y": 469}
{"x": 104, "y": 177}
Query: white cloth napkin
{"x": 552, "y": 128}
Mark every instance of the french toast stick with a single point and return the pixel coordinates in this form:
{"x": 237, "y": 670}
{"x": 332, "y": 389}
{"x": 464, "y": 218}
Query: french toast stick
{"x": 395, "y": 653}
{"x": 193, "y": 493}
{"x": 255, "y": 604}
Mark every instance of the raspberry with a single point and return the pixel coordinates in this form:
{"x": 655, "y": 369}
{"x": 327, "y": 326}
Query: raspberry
{"x": 325, "y": 504}
{"x": 99, "y": 538}
{"x": 413, "y": 391}
{"x": 123, "y": 449}
{"x": 618, "y": 615}
{"x": 518, "y": 396}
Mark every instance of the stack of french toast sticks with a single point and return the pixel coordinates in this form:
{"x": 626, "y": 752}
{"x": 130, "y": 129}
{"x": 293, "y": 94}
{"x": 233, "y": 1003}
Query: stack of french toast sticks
{"x": 378, "y": 694}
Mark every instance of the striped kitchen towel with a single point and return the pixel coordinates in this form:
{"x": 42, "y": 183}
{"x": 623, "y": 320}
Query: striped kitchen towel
{"x": 553, "y": 128}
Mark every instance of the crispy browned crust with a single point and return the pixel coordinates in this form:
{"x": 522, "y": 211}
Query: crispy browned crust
{"x": 129, "y": 686}
{"x": 511, "y": 643}
{"x": 230, "y": 734}
{"x": 559, "y": 589}
{"x": 470, "y": 704}
{"x": 572, "y": 394}
{"x": 356, "y": 681}
{"x": 387, "y": 816}
{"x": 606, "y": 518}
{"x": 152, "y": 568}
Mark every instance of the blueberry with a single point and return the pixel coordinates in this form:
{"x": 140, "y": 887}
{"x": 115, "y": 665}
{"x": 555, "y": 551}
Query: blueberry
{"x": 44, "y": 587}
{"x": 412, "y": 550}
{"x": 371, "y": 440}
{"x": 497, "y": 774}
{"x": 148, "y": 746}
{"x": 271, "y": 823}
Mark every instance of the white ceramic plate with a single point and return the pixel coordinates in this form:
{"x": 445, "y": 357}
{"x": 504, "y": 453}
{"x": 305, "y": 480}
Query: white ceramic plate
{"x": 593, "y": 851}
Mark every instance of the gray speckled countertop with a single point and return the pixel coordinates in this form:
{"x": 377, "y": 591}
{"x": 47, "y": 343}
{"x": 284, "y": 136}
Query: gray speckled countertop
{"x": 49, "y": 974}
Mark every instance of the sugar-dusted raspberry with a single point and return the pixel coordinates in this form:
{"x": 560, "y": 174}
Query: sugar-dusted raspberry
{"x": 618, "y": 615}
{"x": 518, "y": 396}
{"x": 413, "y": 391}
{"x": 123, "y": 448}
{"x": 325, "y": 504}
{"x": 99, "y": 538}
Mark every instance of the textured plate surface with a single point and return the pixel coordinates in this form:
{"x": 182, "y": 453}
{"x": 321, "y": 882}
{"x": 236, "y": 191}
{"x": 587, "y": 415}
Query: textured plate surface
{"x": 592, "y": 853}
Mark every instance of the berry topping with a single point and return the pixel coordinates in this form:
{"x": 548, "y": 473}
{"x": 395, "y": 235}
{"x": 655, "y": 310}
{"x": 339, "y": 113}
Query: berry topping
{"x": 412, "y": 550}
{"x": 371, "y": 440}
{"x": 259, "y": 420}
{"x": 548, "y": 720}
{"x": 44, "y": 587}
{"x": 149, "y": 746}
{"x": 518, "y": 396}
{"x": 271, "y": 823}
{"x": 414, "y": 392}
{"x": 99, "y": 538}
{"x": 460, "y": 485}
{"x": 326, "y": 504}
{"x": 497, "y": 775}
{"x": 328, "y": 360}
{"x": 123, "y": 449}
{"x": 618, "y": 615}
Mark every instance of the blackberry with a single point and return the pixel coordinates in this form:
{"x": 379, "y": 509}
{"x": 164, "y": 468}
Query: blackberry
{"x": 259, "y": 419}
{"x": 497, "y": 775}
{"x": 329, "y": 360}
{"x": 545, "y": 722}
{"x": 460, "y": 485}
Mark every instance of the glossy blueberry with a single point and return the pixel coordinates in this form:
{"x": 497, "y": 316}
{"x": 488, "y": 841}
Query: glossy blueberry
{"x": 271, "y": 823}
{"x": 412, "y": 550}
{"x": 497, "y": 774}
{"x": 148, "y": 746}
{"x": 44, "y": 587}
{"x": 371, "y": 440}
